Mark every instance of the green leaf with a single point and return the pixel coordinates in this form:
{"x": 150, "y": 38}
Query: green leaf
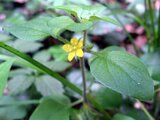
{"x": 42, "y": 56}
{"x": 152, "y": 61}
{"x": 26, "y": 46}
{"x": 59, "y": 24}
{"x": 48, "y": 86}
{"x": 20, "y": 83}
{"x": 4, "y": 37}
{"x": 35, "y": 29}
{"x": 4, "y": 72}
{"x": 87, "y": 12}
{"x": 58, "y": 66}
{"x": 121, "y": 117}
{"x": 78, "y": 27}
{"x": 42, "y": 27}
{"x": 123, "y": 73}
{"x": 11, "y": 112}
{"x": 58, "y": 53}
{"x": 104, "y": 18}
{"x": 21, "y": 71}
{"x": 107, "y": 98}
{"x": 82, "y": 11}
{"x": 52, "y": 109}
{"x": 137, "y": 114}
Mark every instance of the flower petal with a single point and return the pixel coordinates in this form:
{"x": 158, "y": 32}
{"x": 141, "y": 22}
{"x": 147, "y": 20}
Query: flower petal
{"x": 74, "y": 41}
{"x": 80, "y": 44}
{"x": 67, "y": 47}
{"x": 79, "y": 53}
{"x": 71, "y": 55}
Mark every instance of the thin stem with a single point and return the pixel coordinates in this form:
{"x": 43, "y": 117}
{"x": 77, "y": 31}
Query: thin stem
{"x": 84, "y": 79}
{"x": 77, "y": 102}
{"x": 82, "y": 65}
{"x": 145, "y": 110}
{"x": 158, "y": 39}
{"x": 62, "y": 39}
{"x": 48, "y": 71}
{"x": 152, "y": 23}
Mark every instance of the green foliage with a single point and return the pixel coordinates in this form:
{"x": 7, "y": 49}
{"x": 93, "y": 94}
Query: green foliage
{"x": 26, "y": 46}
{"x": 58, "y": 66}
{"x": 137, "y": 114}
{"x": 48, "y": 86}
{"x": 20, "y": 83}
{"x": 123, "y": 73}
{"x": 58, "y": 53}
{"x": 35, "y": 29}
{"x": 4, "y": 71}
{"x": 41, "y": 71}
{"x": 11, "y": 112}
{"x": 56, "y": 108}
{"x": 87, "y": 12}
{"x": 108, "y": 98}
{"x": 121, "y": 117}
{"x": 152, "y": 62}
{"x": 42, "y": 27}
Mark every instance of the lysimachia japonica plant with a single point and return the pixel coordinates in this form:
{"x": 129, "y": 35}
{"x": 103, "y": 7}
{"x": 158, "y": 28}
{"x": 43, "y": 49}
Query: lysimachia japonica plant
{"x": 116, "y": 70}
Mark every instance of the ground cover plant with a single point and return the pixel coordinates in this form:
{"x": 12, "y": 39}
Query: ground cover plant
{"x": 79, "y": 60}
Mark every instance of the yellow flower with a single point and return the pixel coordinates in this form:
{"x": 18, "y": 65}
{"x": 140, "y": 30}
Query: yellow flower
{"x": 74, "y": 48}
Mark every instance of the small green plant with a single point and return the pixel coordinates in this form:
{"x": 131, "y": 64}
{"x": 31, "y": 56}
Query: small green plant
{"x": 115, "y": 70}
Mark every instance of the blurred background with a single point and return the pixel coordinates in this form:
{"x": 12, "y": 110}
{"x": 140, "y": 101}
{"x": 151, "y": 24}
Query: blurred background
{"x": 138, "y": 29}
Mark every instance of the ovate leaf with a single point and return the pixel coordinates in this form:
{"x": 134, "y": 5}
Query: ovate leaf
{"x": 20, "y": 83}
{"x": 123, "y": 73}
{"x": 48, "y": 86}
{"x": 35, "y": 29}
{"x": 52, "y": 109}
{"x": 4, "y": 71}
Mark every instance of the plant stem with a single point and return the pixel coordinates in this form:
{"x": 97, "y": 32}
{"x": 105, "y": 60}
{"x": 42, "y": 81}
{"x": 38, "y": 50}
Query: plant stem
{"x": 62, "y": 39}
{"x": 82, "y": 65}
{"x": 152, "y": 23}
{"x": 158, "y": 39}
{"x": 77, "y": 102}
{"x": 48, "y": 71}
{"x": 145, "y": 110}
{"x": 41, "y": 67}
{"x": 83, "y": 79}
